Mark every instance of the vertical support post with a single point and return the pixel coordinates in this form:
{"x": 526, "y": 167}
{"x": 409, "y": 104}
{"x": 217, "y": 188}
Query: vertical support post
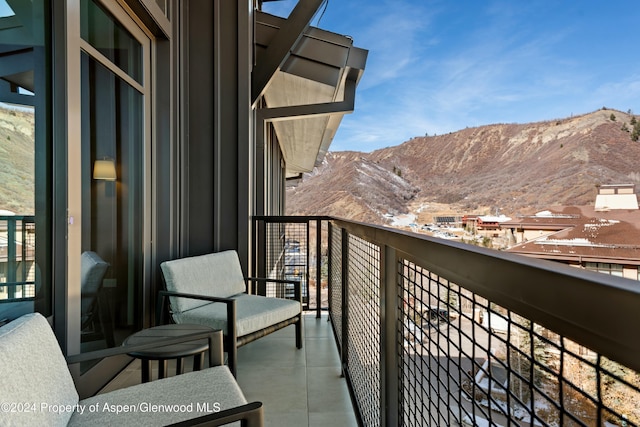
{"x": 261, "y": 257}
{"x": 305, "y": 289}
{"x": 252, "y": 270}
{"x": 329, "y": 269}
{"x": 345, "y": 302}
{"x": 11, "y": 258}
{"x": 318, "y": 268}
{"x": 23, "y": 257}
{"x": 389, "y": 387}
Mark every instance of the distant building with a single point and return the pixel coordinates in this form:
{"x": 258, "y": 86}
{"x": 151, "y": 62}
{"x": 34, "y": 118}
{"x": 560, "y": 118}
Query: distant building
{"x": 594, "y": 238}
{"x": 485, "y": 225}
{"x": 469, "y": 220}
{"x": 488, "y": 222}
{"x": 617, "y": 196}
{"x": 448, "y": 220}
{"x": 525, "y": 228}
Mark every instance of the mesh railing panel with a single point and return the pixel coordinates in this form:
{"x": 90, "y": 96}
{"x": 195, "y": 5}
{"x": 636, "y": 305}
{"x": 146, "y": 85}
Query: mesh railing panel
{"x": 29, "y": 256}
{"x": 364, "y": 327}
{"x": 286, "y": 257}
{"x": 17, "y": 258}
{"x": 335, "y": 297}
{"x": 465, "y": 360}
{"x": 318, "y": 296}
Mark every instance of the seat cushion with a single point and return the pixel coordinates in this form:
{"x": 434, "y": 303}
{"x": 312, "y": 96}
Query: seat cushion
{"x": 216, "y": 275}
{"x": 253, "y": 313}
{"x": 176, "y": 399}
{"x": 34, "y": 374}
{"x": 93, "y": 269}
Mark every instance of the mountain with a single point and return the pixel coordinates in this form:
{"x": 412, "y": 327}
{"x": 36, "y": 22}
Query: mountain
{"x": 506, "y": 168}
{"x": 350, "y": 185}
{"x": 17, "y": 161}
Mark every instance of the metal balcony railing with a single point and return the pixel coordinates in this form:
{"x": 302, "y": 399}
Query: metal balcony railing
{"x": 438, "y": 333}
{"x": 17, "y": 258}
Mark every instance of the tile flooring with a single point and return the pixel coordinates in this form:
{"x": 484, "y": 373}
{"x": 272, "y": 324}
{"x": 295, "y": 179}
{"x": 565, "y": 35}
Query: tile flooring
{"x": 298, "y": 388}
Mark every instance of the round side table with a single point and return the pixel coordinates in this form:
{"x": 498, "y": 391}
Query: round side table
{"x": 194, "y": 348}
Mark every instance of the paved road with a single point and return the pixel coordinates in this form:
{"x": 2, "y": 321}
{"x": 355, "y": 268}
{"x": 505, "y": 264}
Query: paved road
{"x": 438, "y": 375}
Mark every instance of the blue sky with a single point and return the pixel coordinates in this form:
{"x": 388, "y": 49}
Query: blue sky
{"x": 438, "y": 66}
{"x": 5, "y": 10}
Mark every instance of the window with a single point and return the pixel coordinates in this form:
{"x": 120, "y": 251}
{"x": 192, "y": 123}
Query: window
{"x": 25, "y": 144}
{"x": 601, "y": 267}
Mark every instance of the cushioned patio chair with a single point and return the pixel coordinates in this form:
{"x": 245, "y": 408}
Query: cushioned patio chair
{"x": 37, "y": 388}
{"x": 95, "y": 311}
{"x": 211, "y": 290}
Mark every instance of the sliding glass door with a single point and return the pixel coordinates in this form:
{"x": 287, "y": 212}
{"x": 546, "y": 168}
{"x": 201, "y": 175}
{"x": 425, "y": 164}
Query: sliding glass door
{"x": 108, "y": 179}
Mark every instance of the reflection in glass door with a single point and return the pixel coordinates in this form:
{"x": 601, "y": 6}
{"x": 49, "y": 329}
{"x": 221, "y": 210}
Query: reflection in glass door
{"x": 112, "y": 148}
{"x": 112, "y": 180}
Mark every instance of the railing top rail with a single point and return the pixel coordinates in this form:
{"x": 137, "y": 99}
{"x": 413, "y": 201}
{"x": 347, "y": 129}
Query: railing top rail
{"x": 291, "y": 218}
{"x": 17, "y": 217}
{"x": 599, "y": 311}
{"x": 20, "y": 283}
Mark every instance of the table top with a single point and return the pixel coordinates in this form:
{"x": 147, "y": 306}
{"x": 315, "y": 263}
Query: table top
{"x": 185, "y": 349}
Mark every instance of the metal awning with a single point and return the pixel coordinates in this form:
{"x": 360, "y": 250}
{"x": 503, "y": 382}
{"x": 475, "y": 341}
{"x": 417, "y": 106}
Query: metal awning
{"x": 18, "y": 38}
{"x": 311, "y": 90}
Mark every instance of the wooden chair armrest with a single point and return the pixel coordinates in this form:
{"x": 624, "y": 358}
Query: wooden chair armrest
{"x": 195, "y": 296}
{"x": 162, "y": 297}
{"x": 264, "y": 279}
{"x": 231, "y": 309}
{"x": 297, "y": 285}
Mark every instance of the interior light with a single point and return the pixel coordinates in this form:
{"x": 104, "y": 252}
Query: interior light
{"x": 104, "y": 170}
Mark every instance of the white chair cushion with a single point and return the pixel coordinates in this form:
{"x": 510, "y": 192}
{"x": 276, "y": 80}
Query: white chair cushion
{"x": 34, "y": 374}
{"x": 92, "y": 270}
{"x": 253, "y": 313}
{"x": 184, "y": 396}
{"x": 216, "y": 275}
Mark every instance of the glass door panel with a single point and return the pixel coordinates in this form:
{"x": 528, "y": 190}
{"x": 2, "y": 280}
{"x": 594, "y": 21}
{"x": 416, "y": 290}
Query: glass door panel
{"x": 111, "y": 39}
{"x": 114, "y": 132}
{"x": 112, "y": 206}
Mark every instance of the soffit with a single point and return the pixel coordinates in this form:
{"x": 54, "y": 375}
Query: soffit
{"x": 315, "y": 73}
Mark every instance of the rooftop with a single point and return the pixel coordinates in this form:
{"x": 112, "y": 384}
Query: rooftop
{"x": 583, "y": 231}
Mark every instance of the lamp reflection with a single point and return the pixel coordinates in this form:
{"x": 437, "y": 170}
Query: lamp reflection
{"x": 104, "y": 170}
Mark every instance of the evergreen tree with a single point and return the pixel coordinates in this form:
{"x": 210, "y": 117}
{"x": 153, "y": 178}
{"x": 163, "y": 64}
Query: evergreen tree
{"x": 635, "y": 134}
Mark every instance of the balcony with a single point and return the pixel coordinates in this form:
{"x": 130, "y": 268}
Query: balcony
{"x": 297, "y": 387}
{"x": 418, "y": 331}
{"x": 432, "y": 332}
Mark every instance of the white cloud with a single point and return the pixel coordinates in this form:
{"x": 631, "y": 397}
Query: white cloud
{"x": 437, "y": 66}
{"x": 392, "y": 34}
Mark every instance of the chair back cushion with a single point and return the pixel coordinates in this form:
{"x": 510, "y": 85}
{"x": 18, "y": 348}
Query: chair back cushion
{"x": 216, "y": 275}
{"x": 34, "y": 373}
{"x": 92, "y": 271}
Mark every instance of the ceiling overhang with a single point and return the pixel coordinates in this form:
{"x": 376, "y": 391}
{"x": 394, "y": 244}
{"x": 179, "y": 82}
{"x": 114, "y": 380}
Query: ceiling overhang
{"x": 311, "y": 88}
{"x": 17, "y": 59}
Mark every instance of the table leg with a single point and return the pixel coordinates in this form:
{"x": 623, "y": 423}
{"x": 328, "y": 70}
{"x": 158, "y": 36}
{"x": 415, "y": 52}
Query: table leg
{"x": 146, "y": 370}
{"x": 179, "y": 366}
{"x": 162, "y": 368}
{"x": 197, "y": 361}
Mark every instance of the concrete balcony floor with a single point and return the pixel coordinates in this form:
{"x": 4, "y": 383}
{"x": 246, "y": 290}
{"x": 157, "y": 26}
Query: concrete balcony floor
{"x": 297, "y": 387}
